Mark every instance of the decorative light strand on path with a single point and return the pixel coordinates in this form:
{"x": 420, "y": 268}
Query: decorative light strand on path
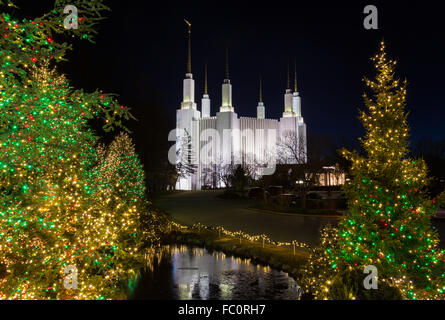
{"x": 242, "y": 235}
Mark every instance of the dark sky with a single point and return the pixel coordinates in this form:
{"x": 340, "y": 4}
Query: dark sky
{"x": 140, "y": 55}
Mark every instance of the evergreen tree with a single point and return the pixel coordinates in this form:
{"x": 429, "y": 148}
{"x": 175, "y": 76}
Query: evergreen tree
{"x": 52, "y": 215}
{"x": 389, "y": 218}
{"x": 112, "y": 223}
{"x": 120, "y": 171}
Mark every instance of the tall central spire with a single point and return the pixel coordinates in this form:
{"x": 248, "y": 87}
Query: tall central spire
{"x": 295, "y": 80}
{"x": 227, "y": 89}
{"x": 189, "y": 49}
{"x": 188, "y": 101}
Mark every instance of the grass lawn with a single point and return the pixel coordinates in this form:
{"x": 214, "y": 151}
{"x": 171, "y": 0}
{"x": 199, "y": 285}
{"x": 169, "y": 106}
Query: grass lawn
{"x": 276, "y": 209}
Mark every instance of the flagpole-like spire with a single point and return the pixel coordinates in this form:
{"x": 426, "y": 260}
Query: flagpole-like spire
{"x": 288, "y": 76}
{"x": 226, "y": 105}
{"x": 261, "y": 90}
{"x": 260, "y": 110}
{"x": 295, "y": 80}
{"x": 205, "y": 79}
{"x": 288, "y": 95}
{"x": 188, "y": 101}
{"x": 205, "y": 102}
{"x": 227, "y": 62}
{"x": 189, "y": 49}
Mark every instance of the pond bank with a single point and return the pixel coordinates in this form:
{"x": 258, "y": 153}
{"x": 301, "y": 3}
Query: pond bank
{"x": 192, "y": 207}
{"x": 279, "y": 258}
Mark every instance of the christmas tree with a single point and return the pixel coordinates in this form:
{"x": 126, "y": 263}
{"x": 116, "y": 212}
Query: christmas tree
{"x": 52, "y": 214}
{"x": 119, "y": 169}
{"x": 389, "y": 214}
{"x": 112, "y": 221}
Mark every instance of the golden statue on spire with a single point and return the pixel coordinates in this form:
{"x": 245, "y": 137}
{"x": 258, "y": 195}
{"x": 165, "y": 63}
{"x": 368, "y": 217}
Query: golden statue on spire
{"x": 189, "y": 25}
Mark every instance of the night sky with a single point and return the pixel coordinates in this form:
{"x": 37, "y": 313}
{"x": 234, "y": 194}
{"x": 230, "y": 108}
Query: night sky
{"x": 140, "y": 54}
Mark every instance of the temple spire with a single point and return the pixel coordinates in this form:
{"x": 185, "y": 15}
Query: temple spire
{"x": 205, "y": 102}
{"x": 288, "y": 112}
{"x": 227, "y": 63}
{"x": 227, "y": 89}
{"x": 260, "y": 109}
{"x": 188, "y": 100}
{"x": 261, "y": 90}
{"x": 189, "y": 49}
{"x": 295, "y": 80}
{"x": 205, "y": 79}
{"x": 288, "y": 76}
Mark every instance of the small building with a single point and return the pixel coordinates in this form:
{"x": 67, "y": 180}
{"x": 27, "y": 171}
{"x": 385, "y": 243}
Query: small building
{"x": 331, "y": 176}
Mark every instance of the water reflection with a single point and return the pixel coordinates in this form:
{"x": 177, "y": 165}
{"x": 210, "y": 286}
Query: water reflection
{"x": 194, "y": 273}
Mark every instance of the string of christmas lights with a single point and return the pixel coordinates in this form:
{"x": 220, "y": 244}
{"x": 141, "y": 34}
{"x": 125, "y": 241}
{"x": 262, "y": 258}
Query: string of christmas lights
{"x": 263, "y": 238}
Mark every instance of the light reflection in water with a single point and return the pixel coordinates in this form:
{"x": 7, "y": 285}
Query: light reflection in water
{"x": 184, "y": 273}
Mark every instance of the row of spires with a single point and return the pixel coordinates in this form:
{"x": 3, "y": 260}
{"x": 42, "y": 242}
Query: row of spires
{"x": 189, "y": 65}
{"x": 295, "y": 79}
{"x": 260, "y": 80}
{"x": 292, "y": 104}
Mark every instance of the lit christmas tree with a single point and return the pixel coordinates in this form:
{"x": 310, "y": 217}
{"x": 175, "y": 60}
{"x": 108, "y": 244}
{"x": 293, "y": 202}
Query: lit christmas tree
{"x": 119, "y": 212}
{"x": 120, "y": 171}
{"x": 52, "y": 215}
{"x": 389, "y": 220}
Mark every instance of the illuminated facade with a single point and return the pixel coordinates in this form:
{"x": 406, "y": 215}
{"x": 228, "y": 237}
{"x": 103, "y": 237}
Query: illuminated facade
{"x": 331, "y": 176}
{"x": 226, "y": 138}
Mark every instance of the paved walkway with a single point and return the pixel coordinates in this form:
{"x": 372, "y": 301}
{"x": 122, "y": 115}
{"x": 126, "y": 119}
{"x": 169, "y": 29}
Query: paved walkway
{"x": 203, "y": 206}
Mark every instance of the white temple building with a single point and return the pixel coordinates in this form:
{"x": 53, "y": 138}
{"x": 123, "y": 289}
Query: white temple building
{"x": 215, "y": 141}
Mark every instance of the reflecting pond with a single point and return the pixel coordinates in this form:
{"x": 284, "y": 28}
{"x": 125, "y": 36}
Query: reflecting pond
{"x": 184, "y": 273}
